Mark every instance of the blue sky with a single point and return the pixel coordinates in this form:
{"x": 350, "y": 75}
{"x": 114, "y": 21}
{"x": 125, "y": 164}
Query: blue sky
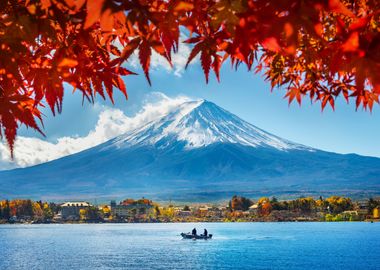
{"x": 240, "y": 92}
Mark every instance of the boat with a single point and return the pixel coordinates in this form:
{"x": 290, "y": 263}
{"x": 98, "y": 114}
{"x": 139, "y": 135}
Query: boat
{"x": 191, "y": 236}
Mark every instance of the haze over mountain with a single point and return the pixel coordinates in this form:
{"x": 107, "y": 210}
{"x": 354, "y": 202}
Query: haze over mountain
{"x": 196, "y": 151}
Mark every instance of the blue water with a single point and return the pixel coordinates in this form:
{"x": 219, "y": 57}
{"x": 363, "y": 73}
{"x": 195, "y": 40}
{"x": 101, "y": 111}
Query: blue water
{"x": 159, "y": 246}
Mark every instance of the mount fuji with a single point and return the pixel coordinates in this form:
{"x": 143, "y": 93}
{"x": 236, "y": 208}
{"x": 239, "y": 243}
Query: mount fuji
{"x": 197, "y": 151}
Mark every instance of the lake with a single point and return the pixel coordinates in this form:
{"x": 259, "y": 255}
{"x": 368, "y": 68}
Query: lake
{"x": 159, "y": 246}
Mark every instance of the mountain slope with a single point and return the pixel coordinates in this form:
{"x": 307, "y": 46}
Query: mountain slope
{"x": 198, "y": 150}
{"x": 201, "y": 123}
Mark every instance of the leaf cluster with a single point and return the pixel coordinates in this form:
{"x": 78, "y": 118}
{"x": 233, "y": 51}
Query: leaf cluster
{"x": 322, "y": 49}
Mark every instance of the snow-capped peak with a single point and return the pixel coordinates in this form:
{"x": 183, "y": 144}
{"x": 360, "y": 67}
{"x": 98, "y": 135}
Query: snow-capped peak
{"x": 201, "y": 123}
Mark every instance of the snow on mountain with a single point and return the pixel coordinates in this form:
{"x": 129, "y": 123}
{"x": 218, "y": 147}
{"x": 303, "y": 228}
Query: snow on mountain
{"x": 201, "y": 123}
{"x": 196, "y": 151}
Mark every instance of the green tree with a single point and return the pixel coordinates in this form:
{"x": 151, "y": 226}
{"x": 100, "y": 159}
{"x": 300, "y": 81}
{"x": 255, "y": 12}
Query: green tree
{"x": 279, "y": 205}
{"x": 92, "y": 213}
{"x": 47, "y": 211}
{"x": 329, "y": 217}
{"x": 339, "y": 204}
{"x": 157, "y": 211}
{"x": 338, "y": 217}
{"x": 306, "y": 205}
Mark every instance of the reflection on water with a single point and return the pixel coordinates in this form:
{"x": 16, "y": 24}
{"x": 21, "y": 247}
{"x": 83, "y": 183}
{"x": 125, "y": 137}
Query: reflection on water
{"x": 159, "y": 246}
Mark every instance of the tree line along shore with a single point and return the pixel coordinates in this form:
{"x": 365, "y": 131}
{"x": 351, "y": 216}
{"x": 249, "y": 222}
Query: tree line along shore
{"x": 237, "y": 209}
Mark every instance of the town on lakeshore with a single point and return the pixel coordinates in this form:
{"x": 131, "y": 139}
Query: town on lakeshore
{"x": 238, "y": 209}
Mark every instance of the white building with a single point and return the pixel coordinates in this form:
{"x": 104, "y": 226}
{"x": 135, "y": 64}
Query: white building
{"x": 71, "y": 210}
{"x": 254, "y": 209}
{"x": 131, "y": 210}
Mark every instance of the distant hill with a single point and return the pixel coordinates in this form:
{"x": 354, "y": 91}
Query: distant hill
{"x": 198, "y": 151}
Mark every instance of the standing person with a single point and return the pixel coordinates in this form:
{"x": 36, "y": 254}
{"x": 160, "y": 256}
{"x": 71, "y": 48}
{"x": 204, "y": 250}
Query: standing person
{"x": 194, "y": 232}
{"x": 205, "y": 233}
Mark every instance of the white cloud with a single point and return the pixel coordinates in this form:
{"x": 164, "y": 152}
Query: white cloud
{"x": 111, "y": 123}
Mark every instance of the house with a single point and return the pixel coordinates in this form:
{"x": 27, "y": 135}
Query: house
{"x": 58, "y": 217}
{"x": 215, "y": 212}
{"x": 350, "y": 212}
{"x": 362, "y": 207}
{"x": 182, "y": 213}
{"x": 203, "y": 211}
{"x": 132, "y": 209}
{"x": 71, "y": 210}
{"x": 254, "y": 209}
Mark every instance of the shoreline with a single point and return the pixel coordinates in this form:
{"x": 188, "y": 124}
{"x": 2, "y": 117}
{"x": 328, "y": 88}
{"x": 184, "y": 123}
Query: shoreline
{"x": 238, "y": 209}
{"x": 184, "y": 222}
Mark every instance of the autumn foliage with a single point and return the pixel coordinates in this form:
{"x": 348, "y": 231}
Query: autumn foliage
{"x": 240, "y": 203}
{"x": 321, "y": 49}
{"x": 26, "y": 209}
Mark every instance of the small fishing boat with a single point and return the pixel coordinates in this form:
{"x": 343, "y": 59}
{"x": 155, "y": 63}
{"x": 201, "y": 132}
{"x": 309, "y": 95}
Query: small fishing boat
{"x": 191, "y": 236}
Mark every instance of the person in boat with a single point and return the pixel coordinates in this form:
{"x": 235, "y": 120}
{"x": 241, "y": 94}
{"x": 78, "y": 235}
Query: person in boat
{"x": 205, "y": 233}
{"x": 194, "y": 232}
